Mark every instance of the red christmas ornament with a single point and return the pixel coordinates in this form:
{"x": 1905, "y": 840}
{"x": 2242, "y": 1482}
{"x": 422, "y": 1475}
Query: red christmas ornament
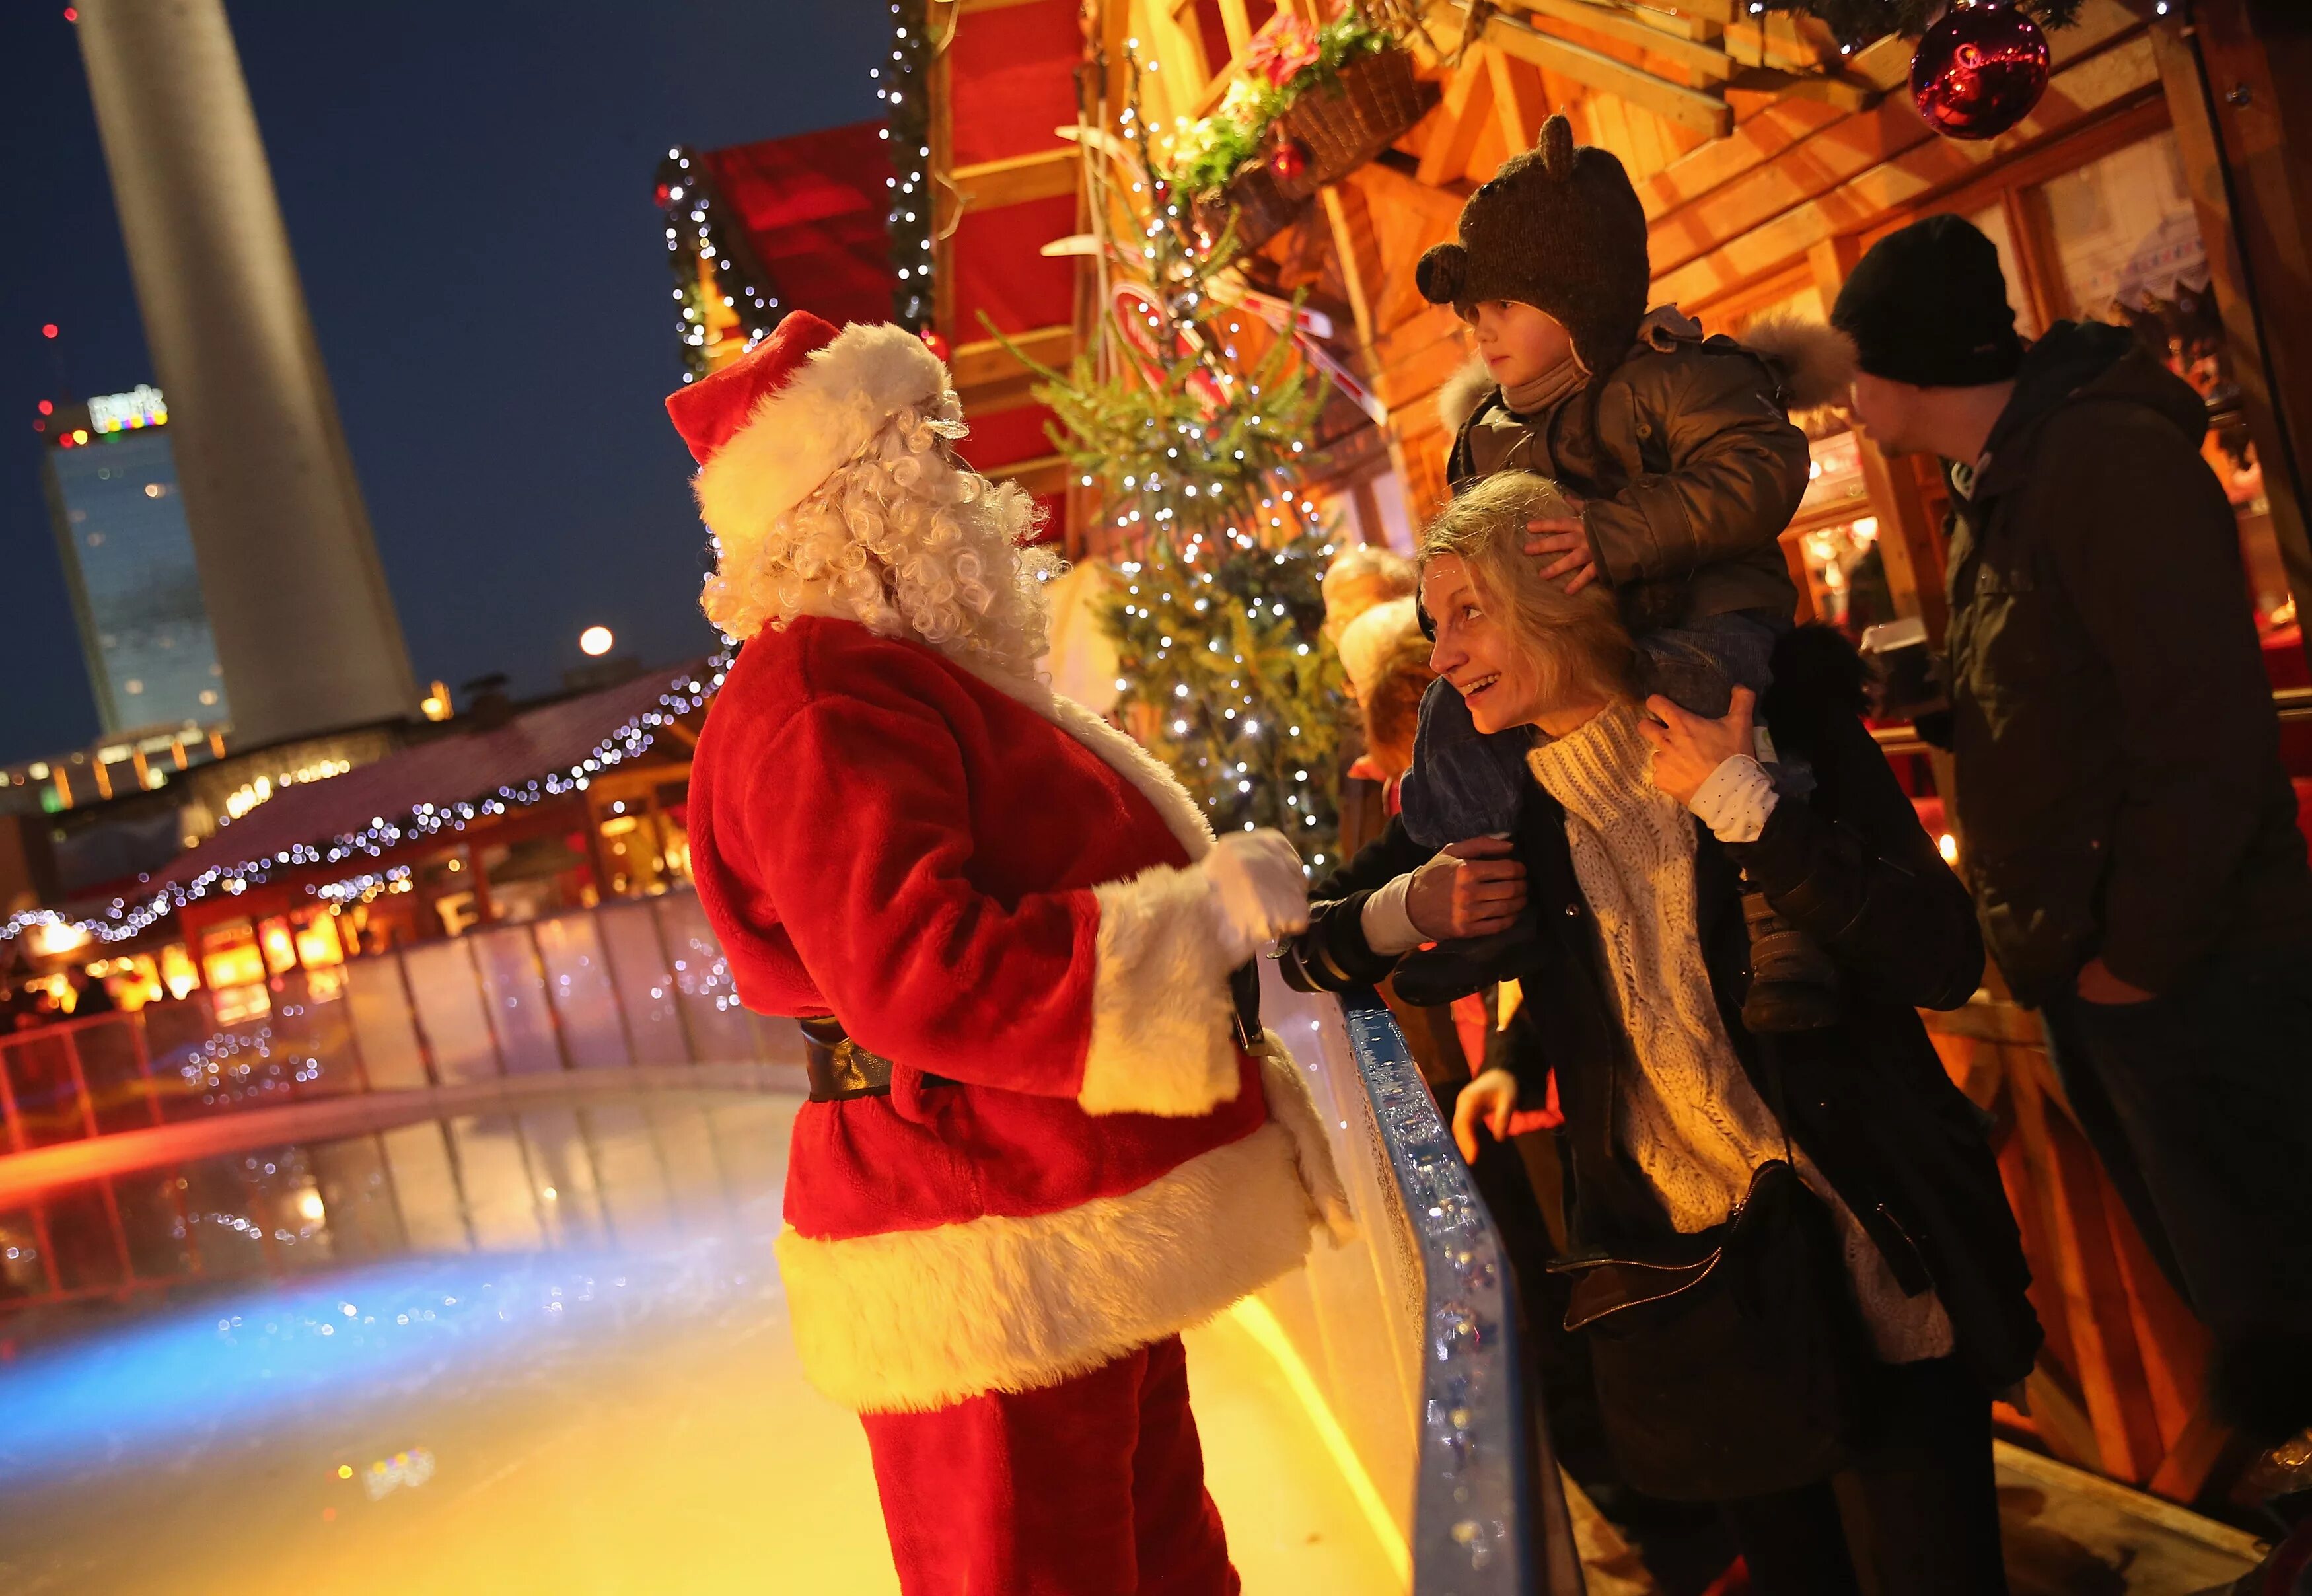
{"x": 936, "y": 342}
{"x": 1289, "y": 161}
{"x": 1980, "y": 70}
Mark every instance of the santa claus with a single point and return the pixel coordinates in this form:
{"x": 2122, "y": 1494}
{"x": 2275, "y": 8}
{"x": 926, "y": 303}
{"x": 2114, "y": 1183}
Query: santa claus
{"x": 1046, "y": 1131}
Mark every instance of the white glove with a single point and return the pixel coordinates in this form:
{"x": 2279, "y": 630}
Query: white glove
{"x": 1259, "y": 891}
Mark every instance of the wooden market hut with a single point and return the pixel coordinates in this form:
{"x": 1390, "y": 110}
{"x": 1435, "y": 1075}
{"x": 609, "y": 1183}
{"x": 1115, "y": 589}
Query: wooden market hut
{"x": 2149, "y": 186}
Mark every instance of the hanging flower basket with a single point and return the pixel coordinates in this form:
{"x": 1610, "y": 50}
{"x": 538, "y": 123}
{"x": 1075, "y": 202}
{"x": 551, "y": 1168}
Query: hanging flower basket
{"x": 1371, "y": 102}
{"x": 1257, "y": 200}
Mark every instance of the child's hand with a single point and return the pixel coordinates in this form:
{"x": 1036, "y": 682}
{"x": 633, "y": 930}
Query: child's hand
{"x": 1687, "y": 748}
{"x": 1470, "y": 888}
{"x": 1568, "y": 538}
{"x": 1490, "y": 1099}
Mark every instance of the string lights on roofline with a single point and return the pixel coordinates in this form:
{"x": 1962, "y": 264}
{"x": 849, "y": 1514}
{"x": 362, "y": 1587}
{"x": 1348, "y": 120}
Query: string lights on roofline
{"x": 696, "y": 233}
{"x": 124, "y": 919}
{"x": 900, "y": 85}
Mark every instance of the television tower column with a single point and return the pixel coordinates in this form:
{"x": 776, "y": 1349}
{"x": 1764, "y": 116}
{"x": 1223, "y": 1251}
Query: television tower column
{"x": 305, "y": 627}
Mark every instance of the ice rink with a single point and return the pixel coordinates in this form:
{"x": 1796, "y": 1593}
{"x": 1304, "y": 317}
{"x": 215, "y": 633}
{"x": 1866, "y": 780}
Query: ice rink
{"x": 543, "y": 1351}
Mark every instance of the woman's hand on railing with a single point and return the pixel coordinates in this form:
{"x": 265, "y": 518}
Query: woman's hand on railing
{"x": 1470, "y": 888}
{"x": 1490, "y": 1099}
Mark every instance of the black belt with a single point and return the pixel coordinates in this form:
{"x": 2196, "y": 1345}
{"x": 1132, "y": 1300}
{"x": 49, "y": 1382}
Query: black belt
{"x": 840, "y": 1068}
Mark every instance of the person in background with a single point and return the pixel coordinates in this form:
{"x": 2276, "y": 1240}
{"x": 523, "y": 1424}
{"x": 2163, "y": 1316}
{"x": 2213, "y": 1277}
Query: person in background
{"x": 2130, "y": 831}
{"x": 1367, "y": 645}
{"x": 1362, "y": 575}
{"x": 1361, "y": 578}
{"x": 90, "y": 995}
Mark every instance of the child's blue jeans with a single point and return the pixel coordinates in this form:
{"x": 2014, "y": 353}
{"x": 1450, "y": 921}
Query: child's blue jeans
{"x": 1465, "y": 783}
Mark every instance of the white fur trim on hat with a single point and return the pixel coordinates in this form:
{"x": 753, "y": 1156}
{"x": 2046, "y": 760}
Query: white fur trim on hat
{"x": 796, "y": 438}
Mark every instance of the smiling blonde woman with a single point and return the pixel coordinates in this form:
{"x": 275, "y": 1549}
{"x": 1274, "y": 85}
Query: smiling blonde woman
{"x": 1637, "y": 824}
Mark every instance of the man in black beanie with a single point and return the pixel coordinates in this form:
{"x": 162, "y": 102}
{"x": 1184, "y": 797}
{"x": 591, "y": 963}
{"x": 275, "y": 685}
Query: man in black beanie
{"x": 2130, "y": 833}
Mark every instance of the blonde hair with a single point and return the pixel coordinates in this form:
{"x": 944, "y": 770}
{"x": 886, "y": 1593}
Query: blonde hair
{"x": 905, "y": 540}
{"x": 1576, "y": 641}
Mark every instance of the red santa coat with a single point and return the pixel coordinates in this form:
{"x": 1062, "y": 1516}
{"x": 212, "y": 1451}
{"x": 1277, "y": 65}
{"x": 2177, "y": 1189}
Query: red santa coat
{"x": 984, "y": 883}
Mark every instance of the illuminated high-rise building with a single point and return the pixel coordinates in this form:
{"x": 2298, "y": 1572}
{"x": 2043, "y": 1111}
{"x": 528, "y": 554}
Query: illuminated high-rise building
{"x": 127, "y": 553}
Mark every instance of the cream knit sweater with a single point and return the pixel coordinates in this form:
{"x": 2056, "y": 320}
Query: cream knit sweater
{"x": 1688, "y": 1114}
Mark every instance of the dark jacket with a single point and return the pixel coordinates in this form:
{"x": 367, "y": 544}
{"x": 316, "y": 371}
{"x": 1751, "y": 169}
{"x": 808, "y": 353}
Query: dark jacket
{"x": 2119, "y": 784}
{"x": 1868, "y": 1099}
{"x": 1688, "y": 460}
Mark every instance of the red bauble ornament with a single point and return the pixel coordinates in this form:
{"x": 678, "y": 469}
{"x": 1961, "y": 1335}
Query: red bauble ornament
{"x": 936, "y": 342}
{"x": 1979, "y": 71}
{"x": 1289, "y": 161}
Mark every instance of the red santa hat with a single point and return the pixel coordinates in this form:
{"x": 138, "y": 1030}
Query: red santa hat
{"x": 770, "y": 428}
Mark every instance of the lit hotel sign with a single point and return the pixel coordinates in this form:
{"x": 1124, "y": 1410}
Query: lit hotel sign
{"x": 141, "y": 405}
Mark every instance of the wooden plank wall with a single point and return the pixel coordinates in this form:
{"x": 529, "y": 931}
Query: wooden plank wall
{"x": 1795, "y": 174}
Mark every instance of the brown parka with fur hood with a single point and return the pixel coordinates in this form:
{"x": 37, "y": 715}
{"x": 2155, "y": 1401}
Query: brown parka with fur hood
{"x": 1684, "y": 454}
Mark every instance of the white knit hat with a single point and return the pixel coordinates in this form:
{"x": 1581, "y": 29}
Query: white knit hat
{"x": 1368, "y": 640}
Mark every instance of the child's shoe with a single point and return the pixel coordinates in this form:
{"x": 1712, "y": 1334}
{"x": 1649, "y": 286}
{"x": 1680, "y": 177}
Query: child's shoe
{"x": 1793, "y": 984}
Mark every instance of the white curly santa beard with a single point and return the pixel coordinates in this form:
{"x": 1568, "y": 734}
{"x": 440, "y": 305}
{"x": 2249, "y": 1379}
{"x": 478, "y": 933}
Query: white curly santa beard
{"x": 908, "y": 543}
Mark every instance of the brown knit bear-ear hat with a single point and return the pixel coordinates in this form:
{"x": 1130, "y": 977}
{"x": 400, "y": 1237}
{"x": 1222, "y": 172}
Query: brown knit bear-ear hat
{"x": 1560, "y": 228}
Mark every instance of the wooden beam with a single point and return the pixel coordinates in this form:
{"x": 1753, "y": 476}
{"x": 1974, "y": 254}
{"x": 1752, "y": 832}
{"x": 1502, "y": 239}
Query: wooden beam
{"x": 2240, "y": 93}
{"x": 985, "y": 362}
{"x": 1520, "y": 104}
{"x": 1696, "y": 56}
{"x": 1679, "y": 24}
{"x": 2074, "y": 97}
{"x": 1461, "y": 122}
{"x": 1691, "y": 107}
{"x": 1042, "y": 175}
{"x": 1831, "y": 89}
{"x": 1786, "y": 154}
{"x": 1723, "y": 160}
{"x": 1045, "y": 474}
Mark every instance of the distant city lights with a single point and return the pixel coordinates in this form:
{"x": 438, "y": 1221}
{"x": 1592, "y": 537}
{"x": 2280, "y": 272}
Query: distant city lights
{"x": 141, "y": 405}
{"x": 596, "y": 641}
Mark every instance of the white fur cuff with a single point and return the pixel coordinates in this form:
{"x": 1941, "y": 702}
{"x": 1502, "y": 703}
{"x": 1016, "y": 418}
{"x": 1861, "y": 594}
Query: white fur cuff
{"x": 1161, "y": 1038}
{"x": 917, "y": 1320}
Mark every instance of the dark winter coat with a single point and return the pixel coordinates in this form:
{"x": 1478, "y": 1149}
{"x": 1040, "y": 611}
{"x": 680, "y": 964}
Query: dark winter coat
{"x": 1689, "y": 461}
{"x": 1868, "y": 1099}
{"x": 2119, "y": 784}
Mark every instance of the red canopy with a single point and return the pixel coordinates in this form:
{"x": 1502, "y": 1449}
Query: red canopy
{"x": 812, "y": 209}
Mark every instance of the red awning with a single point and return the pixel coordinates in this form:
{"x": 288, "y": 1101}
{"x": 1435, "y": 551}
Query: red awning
{"x": 812, "y": 207}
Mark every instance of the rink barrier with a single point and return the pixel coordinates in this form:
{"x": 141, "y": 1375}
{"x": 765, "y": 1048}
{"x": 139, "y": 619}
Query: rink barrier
{"x": 1472, "y": 1534}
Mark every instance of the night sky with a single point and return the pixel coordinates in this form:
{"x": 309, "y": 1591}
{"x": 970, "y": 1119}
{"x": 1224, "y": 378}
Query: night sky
{"x": 469, "y": 191}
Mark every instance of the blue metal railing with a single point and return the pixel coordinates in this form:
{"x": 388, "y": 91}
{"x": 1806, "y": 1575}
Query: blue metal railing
{"x": 1473, "y": 1533}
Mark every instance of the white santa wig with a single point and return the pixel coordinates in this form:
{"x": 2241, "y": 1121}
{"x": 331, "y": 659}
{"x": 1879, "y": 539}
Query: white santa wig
{"x": 894, "y": 531}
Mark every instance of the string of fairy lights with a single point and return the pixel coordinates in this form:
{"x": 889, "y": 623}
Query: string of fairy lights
{"x": 900, "y": 83}
{"x": 124, "y": 918}
{"x": 709, "y": 257}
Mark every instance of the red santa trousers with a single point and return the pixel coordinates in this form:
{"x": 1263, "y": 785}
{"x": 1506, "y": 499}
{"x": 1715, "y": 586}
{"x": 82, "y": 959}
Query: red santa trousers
{"x": 1091, "y": 1487}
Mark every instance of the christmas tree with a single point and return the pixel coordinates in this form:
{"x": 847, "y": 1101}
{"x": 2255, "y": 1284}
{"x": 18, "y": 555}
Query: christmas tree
{"x": 1193, "y": 454}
